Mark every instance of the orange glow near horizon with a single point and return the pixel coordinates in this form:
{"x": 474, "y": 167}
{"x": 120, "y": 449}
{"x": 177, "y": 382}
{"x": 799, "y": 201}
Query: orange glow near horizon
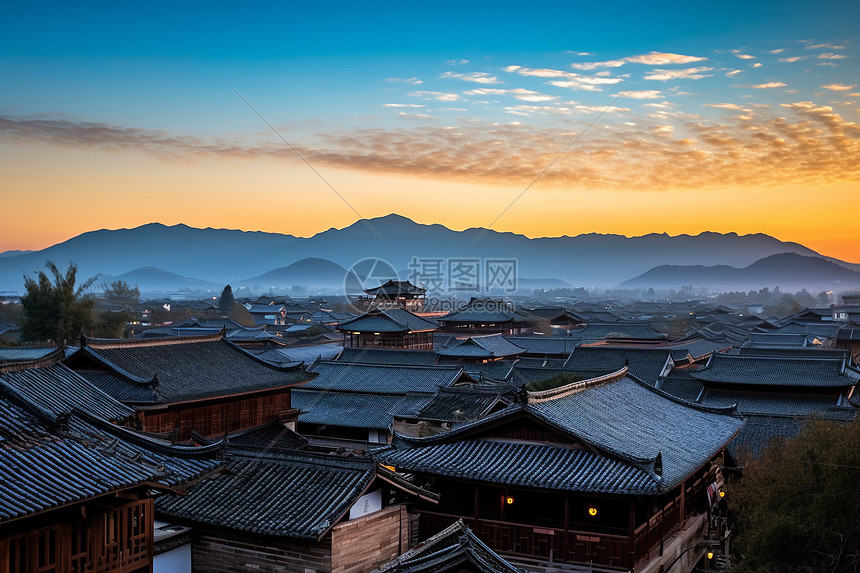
{"x": 86, "y": 191}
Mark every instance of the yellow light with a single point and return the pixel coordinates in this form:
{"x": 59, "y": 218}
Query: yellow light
{"x": 722, "y": 494}
{"x": 592, "y": 511}
{"x": 710, "y": 554}
{"x": 509, "y": 500}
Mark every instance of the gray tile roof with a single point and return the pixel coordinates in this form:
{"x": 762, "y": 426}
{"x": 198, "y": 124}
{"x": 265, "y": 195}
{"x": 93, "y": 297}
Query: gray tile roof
{"x": 781, "y": 371}
{"x": 388, "y": 356}
{"x": 556, "y": 346}
{"x": 770, "y": 403}
{"x": 636, "y": 441}
{"x": 299, "y": 495}
{"x": 395, "y": 288}
{"x": 59, "y": 390}
{"x": 485, "y": 347}
{"x": 354, "y": 409}
{"x": 448, "y": 550}
{"x": 380, "y": 378}
{"x": 460, "y": 404}
{"x": 186, "y": 368}
{"x": 602, "y": 330}
{"x": 42, "y": 468}
{"x": 388, "y": 320}
{"x": 645, "y": 364}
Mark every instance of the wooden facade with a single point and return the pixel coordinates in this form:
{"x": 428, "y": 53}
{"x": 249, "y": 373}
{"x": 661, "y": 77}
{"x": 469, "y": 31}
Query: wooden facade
{"x": 400, "y": 340}
{"x": 350, "y": 547}
{"x": 219, "y": 417}
{"x": 86, "y": 538}
{"x": 559, "y": 528}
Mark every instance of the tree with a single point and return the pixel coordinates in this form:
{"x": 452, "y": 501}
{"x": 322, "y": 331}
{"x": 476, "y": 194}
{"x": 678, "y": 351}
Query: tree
{"x": 225, "y": 304}
{"x": 121, "y": 293}
{"x": 60, "y": 310}
{"x": 798, "y": 506}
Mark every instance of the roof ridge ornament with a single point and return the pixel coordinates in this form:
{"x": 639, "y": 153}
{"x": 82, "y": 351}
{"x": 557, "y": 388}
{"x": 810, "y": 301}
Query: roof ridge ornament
{"x": 573, "y": 388}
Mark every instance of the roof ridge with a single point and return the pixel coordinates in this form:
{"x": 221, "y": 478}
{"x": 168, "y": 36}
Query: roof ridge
{"x": 536, "y": 397}
{"x": 109, "y": 343}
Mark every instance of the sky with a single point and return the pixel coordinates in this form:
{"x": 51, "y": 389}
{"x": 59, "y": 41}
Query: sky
{"x": 540, "y": 118}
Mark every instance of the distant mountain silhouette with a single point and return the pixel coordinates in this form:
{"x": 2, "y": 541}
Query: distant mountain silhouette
{"x": 224, "y": 256}
{"x": 310, "y": 272}
{"x": 153, "y": 280}
{"x": 789, "y": 271}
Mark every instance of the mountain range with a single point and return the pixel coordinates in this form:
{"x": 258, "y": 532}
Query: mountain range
{"x": 264, "y": 260}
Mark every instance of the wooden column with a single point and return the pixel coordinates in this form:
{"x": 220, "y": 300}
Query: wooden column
{"x": 683, "y": 500}
{"x": 631, "y": 535}
{"x": 477, "y": 505}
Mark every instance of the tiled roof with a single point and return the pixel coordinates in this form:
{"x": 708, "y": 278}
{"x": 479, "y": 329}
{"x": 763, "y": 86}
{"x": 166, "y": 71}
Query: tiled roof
{"x": 354, "y": 409}
{"x": 645, "y": 364}
{"x": 121, "y": 388}
{"x": 796, "y": 372}
{"x": 43, "y": 468}
{"x": 395, "y": 288}
{"x": 603, "y": 330}
{"x": 769, "y": 402}
{"x": 486, "y": 347}
{"x": 388, "y": 356}
{"x": 380, "y": 378}
{"x": 499, "y": 370}
{"x": 759, "y": 431}
{"x": 16, "y": 354}
{"x": 299, "y": 495}
{"x": 59, "y": 390}
{"x": 632, "y": 419}
{"x": 525, "y": 464}
{"x": 480, "y": 313}
{"x": 388, "y": 320}
{"x": 545, "y": 345}
{"x": 459, "y": 404}
{"x": 274, "y": 436}
{"x": 186, "y": 368}
{"x": 636, "y": 441}
{"x": 447, "y": 551}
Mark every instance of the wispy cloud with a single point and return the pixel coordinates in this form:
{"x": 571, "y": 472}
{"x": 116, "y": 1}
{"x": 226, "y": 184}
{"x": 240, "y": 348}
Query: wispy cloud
{"x": 587, "y": 66}
{"x": 641, "y": 94}
{"x": 790, "y": 60}
{"x": 688, "y": 74}
{"x": 745, "y": 56}
{"x": 663, "y": 58}
{"x": 768, "y": 85}
{"x": 477, "y": 77}
{"x": 732, "y": 106}
{"x": 811, "y": 46}
{"x": 564, "y": 79}
{"x": 807, "y": 143}
{"x": 830, "y": 56}
{"x": 456, "y": 62}
{"x": 733, "y": 73}
{"x": 518, "y": 93}
{"x": 403, "y": 105}
{"x": 839, "y": 87}
{"x": 438, "y": 96}
{"x": 410, "y": 81}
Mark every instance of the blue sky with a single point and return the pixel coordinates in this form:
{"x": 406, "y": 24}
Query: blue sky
{"x": 748, "y": 108}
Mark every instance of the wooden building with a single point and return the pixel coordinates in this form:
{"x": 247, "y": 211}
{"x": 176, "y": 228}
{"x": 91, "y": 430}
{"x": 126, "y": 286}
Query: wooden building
{"x": 296, "y": 511}
{"x": 388, "y": 328}
{"x": 393, "y": 294}
{"x": 75, "y": 489}
{"x": 596, "y": 472}
{"x": 176, "y": 385}
{"x": 484, "y": 316}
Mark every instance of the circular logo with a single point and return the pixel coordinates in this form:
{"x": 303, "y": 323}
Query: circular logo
{"x": 365, "y": 274}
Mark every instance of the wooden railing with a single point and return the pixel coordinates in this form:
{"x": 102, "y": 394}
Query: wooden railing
{"x": 544, "y": 543}
{"x": 584, "y": 547}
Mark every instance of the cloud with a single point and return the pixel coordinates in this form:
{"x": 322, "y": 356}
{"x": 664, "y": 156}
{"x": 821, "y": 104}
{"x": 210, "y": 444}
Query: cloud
{"x": 438, "y": 96}
{"x": 839, "y": 87}
{"x": 733, "y": 73}
{"x": 456, "y": 62}
{"x": 745, "y": 56}
{"x": 416, "y": 115}
{"x": 807, "y": 143}
{"x": 595, "y": 65}
{"x": 688, "y": 74}
{"x": 477, "y": 77}
{"x": 641, "y": 94}
{"x": 757, "y": 65}
{"x": 564, "y": 79}
{"x": 829, "y": 56}
{"x": 403, "y": 105}
{"x": 810, "y": 46}
{"x": 410, "y": 81}
{"x": 790, "y": 60}
{"x": 663, "y": 58}
{"x": 732, "y": 106}
{"x": 777, "y": 51}
{"x": 768, "y": 85}
{"x": 518, "y": 93}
